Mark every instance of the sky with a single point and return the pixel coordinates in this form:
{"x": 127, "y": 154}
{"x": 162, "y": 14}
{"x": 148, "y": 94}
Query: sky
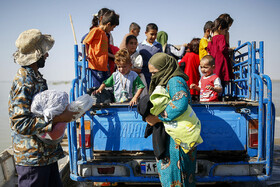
{"x": 254, "y": 20}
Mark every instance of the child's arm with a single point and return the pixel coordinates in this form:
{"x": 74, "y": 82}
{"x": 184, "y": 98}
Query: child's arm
{"x": 215, "y": 89}
{"x": 135, "y": 97}
{"x": 195, "y": 87}
{"x": 217, "y": 86}
{"x": 99, "y": 90}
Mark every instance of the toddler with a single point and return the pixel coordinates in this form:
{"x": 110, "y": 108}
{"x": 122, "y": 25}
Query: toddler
{"x": 127, "y": 84}
{"x": 134, "y": 29}
{"x": 148, "y": 48}
{"x": 204, "y": 41}
{"x": 210, "y": 84}
{"x": 136, "y": 60}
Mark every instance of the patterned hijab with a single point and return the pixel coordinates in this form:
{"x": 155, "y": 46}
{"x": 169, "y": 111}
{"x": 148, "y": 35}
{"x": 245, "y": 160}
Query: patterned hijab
{"x": 168, "y": 68}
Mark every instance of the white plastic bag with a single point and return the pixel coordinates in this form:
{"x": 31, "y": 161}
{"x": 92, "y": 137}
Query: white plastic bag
{"x": 81, "y": 105}
{"x": 49, "y": 103}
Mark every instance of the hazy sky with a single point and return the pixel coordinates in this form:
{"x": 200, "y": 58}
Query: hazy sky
{"x": 254, "y": 20}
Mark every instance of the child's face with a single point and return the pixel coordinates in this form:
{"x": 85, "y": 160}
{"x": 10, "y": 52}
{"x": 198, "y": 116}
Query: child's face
{"x": 124, "y": 68}
{"x": 135, "y": 32}
{"x": 131, "y": 46}
{"x": 206, "y": 68}
{"x": 109, "y": 27}
{"x": 151, "y": 35}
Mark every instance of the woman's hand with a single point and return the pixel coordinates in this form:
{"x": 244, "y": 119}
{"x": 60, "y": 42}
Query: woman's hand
{"x": 66, "y": 116}
{"x": 152, "y": 120}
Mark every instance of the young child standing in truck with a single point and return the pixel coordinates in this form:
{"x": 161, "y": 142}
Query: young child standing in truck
{"x": 127, "y": 84}
{"x": 136, "y": 60}
{"x": 218, "y": 48}
{"x": 148, "y": 48}
{"x": 134, "y": 30}
{"x": 205, "y": 39}
{"x": 97, "y": 47}
{"x": 210, "y": 84}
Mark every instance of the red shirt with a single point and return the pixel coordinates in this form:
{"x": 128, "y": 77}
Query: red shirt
{"x": 219, "y": 50}
{"x": 191, "y": 69}
{"x": 205, "y": 94}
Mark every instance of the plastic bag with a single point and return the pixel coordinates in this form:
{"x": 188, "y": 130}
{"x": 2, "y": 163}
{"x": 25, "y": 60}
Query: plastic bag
{"x": 49, "y": 104}
{"x": 81, "y": 105}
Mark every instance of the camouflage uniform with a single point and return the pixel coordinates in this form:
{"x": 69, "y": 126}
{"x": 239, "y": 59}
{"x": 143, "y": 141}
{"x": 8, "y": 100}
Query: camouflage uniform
{"x": 28, "y": 149}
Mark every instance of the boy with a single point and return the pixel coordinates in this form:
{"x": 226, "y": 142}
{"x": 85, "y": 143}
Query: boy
{"x": 210, "y": 84}
{"x": 97, "y": 47}
{"x": 134, "y": 29}
{"x": 125, "y": 81}
{"x": 148, "y": 48}
{"x": 204, "y": 41}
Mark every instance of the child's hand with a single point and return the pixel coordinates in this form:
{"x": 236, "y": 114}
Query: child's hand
{"x": 193, "y": 86}
{"x": 96, "y": 92}
{"x": 133, "y": 101}
{"x": 209, "y": 87}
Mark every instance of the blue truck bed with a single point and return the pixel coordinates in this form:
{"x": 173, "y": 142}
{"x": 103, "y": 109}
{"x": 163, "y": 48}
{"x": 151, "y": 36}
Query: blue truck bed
{"x": 108, "y": 143}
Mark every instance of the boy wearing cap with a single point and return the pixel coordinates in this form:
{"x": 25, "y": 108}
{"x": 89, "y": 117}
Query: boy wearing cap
{"x": 36, "y": 162}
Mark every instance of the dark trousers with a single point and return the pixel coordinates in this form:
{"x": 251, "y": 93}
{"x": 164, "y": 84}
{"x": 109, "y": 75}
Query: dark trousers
{"x": 98, "y": 77}
{"x": 41, "y": 176}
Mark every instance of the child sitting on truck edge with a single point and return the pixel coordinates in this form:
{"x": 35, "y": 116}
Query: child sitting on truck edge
{"x": 210, "y": 84}
{"x": 97, "y": 47}
{"x": 127, "y": 84}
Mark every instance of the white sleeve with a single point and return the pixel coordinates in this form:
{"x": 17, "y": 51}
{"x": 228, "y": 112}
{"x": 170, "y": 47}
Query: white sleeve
{"x": 217, "y": 82}
{"x": 138, "y": 63}
{"x": 177, "y": 52}
{"x": 199, "y": 83}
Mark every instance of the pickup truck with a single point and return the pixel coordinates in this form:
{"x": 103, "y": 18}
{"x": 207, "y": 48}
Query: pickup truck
{"x": 107, "y": 144}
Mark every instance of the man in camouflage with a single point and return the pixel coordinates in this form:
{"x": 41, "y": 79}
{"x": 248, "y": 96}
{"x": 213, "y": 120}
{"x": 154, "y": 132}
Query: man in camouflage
{"x": 36, "y": 162}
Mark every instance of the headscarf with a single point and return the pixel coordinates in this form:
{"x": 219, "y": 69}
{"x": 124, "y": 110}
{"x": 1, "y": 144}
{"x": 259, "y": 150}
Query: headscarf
{"x": 162, "y": 38}
{"x": 168, "y": 68}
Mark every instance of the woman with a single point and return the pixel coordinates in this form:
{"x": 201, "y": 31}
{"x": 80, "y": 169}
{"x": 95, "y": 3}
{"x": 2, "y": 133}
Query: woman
{"x": 177, "y": 167}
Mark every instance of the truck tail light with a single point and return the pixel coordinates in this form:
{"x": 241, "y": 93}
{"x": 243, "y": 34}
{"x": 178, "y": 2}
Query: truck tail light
{"x": 253, "y": 133}
{"x": 107, "y": 170}
{"x": 87, "y": 135}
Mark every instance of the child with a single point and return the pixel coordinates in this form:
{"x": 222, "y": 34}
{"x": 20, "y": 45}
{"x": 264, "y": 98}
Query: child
{"x": 218, "y": 48}
{"x": 191, "y": 61}
{"x": 124, "y": 81}
{"x": 170, "y": 49}
{"x": 134, "y": 29}
{"x": 229, "y": 21}
{"x": 96, "y": 20}
{"x": 136, "y": 60}
{"x": 204, "y": 41}
{"x": 148, "y": 48}
{"x": 97, "y": 47}
{"x": 210, "y": 84}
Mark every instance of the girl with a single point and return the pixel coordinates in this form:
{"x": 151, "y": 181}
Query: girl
{"x": 191, "y": 61}
{"x": 218, "y": 48}
{"x": 136, "y": 60}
